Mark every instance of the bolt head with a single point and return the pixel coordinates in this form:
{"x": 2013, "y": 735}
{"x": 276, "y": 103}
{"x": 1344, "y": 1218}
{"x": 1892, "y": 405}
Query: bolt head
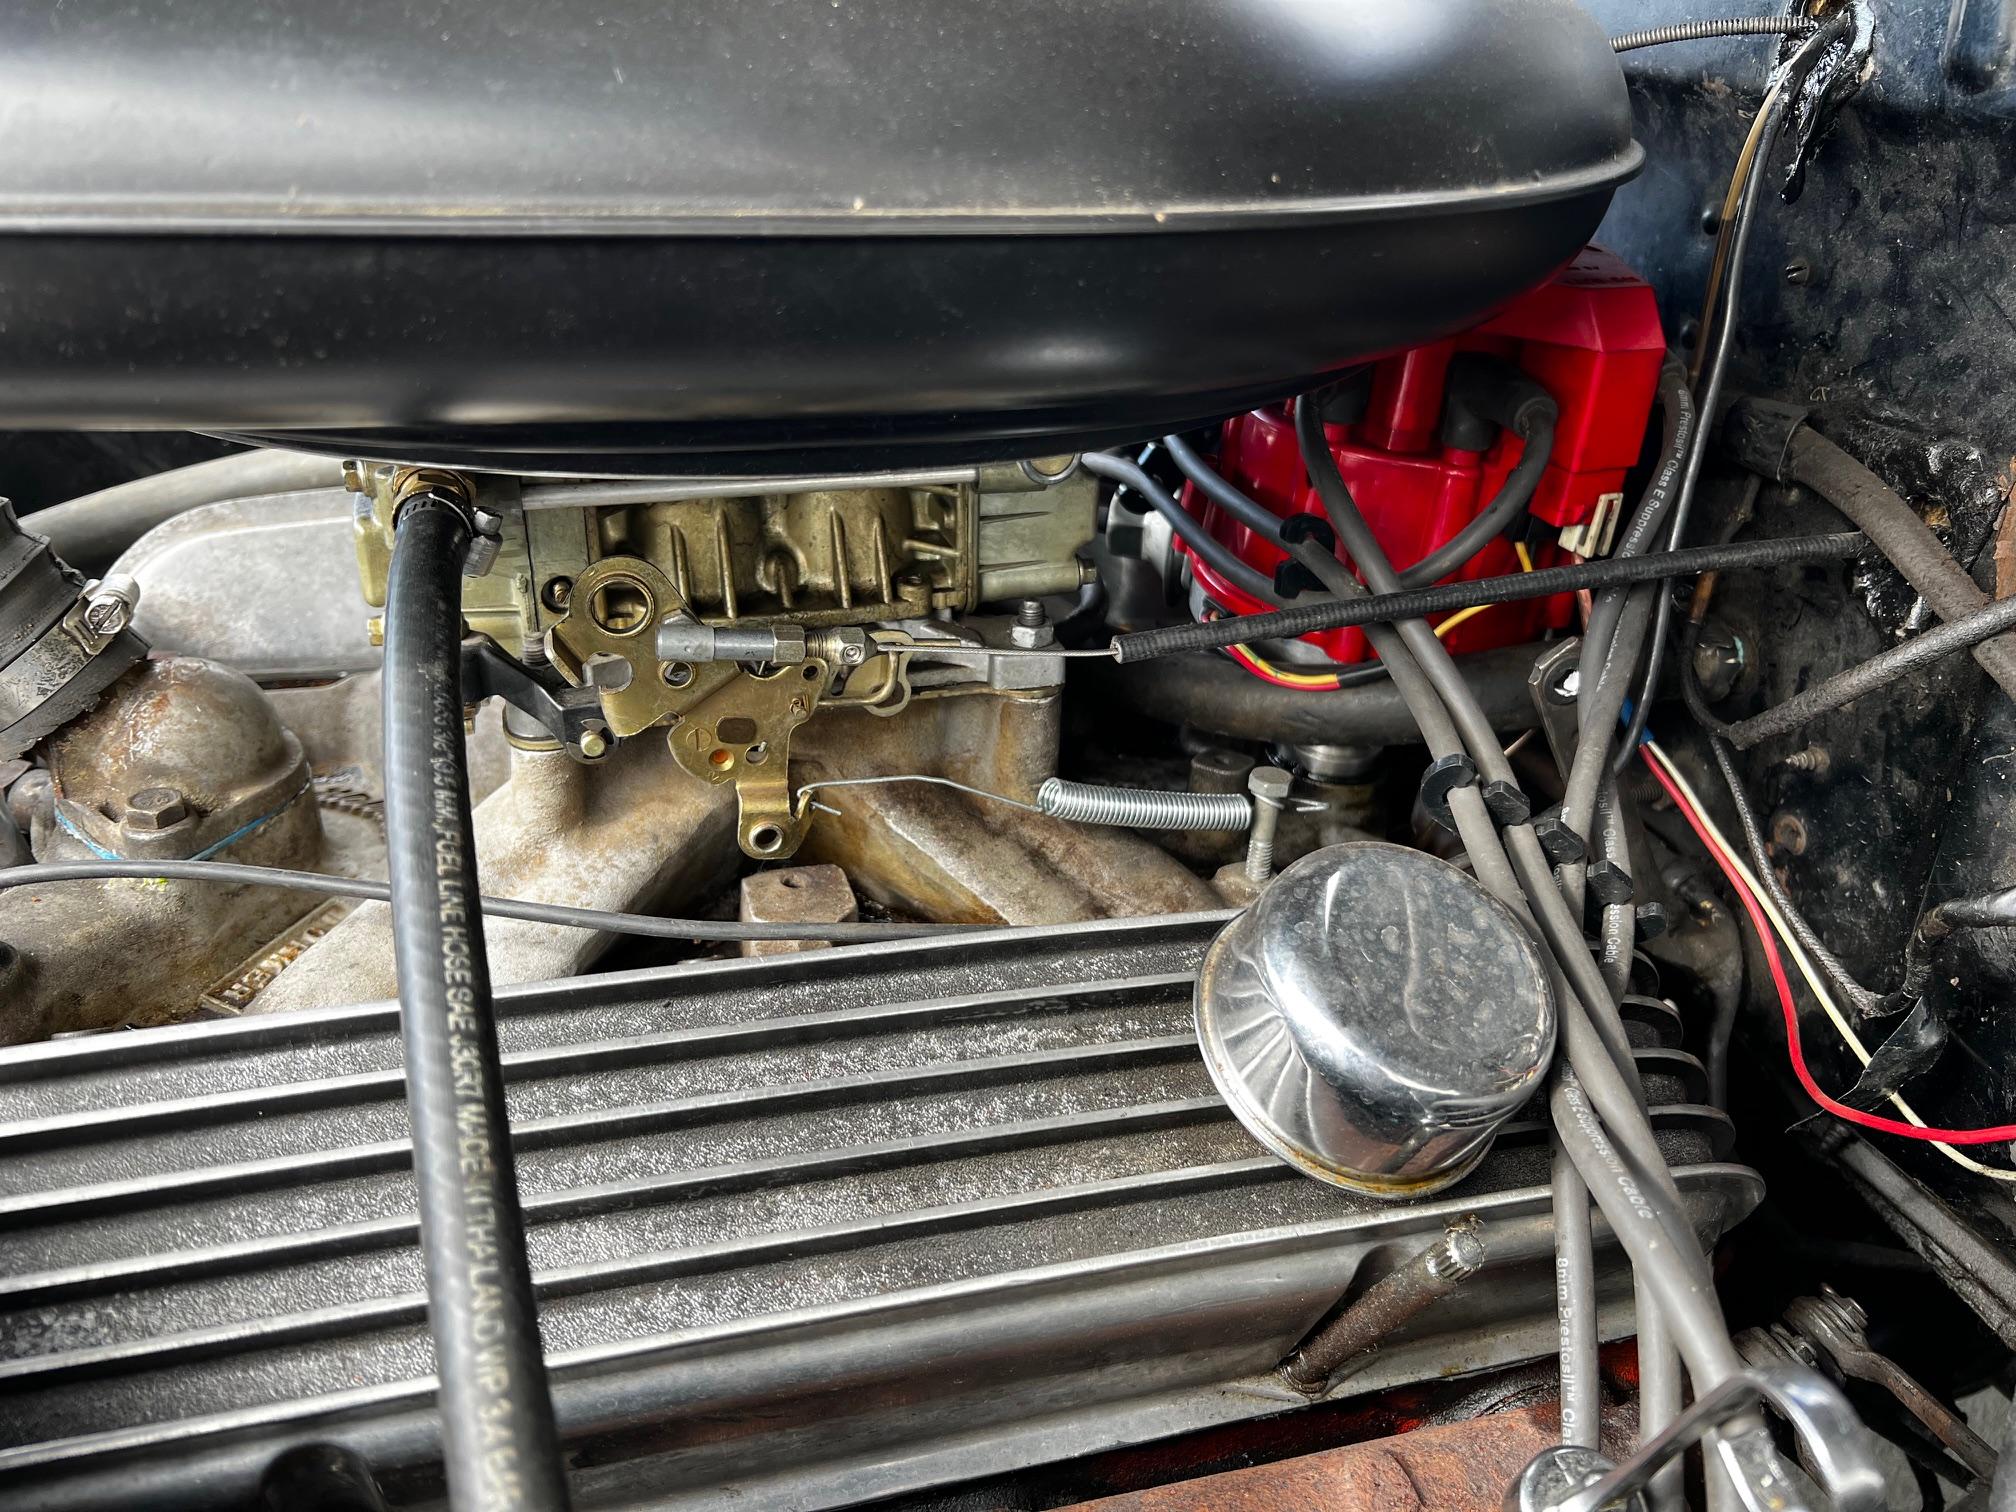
{"x": 155, "y": 808}
{"x": 1269, "y": 783}
{"x": 1788, "y": 834}
{"x": 105, "y": 616}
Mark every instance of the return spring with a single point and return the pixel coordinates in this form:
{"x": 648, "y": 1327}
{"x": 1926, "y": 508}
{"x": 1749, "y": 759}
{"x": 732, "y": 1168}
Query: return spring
{"x": 1141, "y": 808}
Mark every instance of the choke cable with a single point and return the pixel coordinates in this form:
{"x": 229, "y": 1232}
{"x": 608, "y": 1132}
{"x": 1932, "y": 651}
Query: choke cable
{"x": 499, "y": 1440}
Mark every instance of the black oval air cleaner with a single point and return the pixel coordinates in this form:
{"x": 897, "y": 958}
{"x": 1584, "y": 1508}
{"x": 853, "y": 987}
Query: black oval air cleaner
{"x": 766, "y": 235}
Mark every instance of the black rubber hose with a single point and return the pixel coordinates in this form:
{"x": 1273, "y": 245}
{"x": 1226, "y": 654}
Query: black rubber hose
{"x": 1877, "y": 672}
{"x": 1207, "y": 692}
{"x": 499, "y": 1441}
{"x": 1506, "y": 506}
{"x": 1895, "y": 529}
{"x": 1413, "y": 603}
{"x": 1216, "y": 555}
{"x": 1994, "y": 910}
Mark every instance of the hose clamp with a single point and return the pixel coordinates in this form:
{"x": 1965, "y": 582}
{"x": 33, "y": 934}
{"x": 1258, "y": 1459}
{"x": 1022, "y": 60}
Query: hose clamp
{"x": 451, "y": 490}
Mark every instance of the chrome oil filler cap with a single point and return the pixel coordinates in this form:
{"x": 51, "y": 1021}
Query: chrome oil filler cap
{"x": 1375, "y": 1017}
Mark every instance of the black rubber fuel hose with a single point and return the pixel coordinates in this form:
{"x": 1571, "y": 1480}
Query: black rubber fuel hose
{"x": 1286, "y": 624}
{"x": 498, "y": 1436}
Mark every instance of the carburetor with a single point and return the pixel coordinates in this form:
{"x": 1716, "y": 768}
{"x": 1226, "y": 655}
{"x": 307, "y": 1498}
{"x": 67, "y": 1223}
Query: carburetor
{"x": 728, "y": 610}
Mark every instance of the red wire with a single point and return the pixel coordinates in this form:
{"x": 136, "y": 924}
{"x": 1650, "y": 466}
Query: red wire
{"x": 2001, "y": 1133}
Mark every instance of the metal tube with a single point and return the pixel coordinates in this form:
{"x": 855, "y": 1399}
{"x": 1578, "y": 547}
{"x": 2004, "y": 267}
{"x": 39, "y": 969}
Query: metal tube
{"x": 609, "y": 493}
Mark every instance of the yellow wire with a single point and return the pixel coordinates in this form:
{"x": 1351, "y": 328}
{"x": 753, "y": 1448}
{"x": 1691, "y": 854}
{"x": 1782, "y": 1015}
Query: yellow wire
{"x": 1461, "y": 615}
{"x": 1329, "y": 680}
{"x": 1298, "y": 679}
{"x": 1806, "y": 970}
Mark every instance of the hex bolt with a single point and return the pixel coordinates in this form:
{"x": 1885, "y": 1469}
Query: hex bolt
{"x": 155, "y": 808}
{"x": 1269, "y": 786}
{"x": 1032, "y": 626}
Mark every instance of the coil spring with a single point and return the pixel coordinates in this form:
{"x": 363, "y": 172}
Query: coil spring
{"x": 1142, "y": 808}
{"x": 1700, "y": 31}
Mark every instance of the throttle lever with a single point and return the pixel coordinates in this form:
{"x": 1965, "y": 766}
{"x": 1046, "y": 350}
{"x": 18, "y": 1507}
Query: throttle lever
{"x": 1568, "y": 1479}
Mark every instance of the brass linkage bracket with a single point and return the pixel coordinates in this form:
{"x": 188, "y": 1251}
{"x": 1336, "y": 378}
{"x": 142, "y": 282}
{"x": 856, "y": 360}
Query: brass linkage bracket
{"x": 741, "y": 733}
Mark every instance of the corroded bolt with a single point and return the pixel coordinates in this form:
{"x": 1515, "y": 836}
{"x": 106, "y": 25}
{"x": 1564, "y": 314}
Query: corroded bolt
{"x": 1813, "y": 759}
{"x": 155, "y": 808}
{"x": 1269, "y": 786}
{"x": 1029, "y": 613}
{"x": 1788, "y": 834}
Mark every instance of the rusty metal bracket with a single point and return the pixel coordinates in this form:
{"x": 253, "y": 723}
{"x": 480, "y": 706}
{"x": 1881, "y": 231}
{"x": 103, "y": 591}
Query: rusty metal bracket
{"x": 1836, "y": 1326}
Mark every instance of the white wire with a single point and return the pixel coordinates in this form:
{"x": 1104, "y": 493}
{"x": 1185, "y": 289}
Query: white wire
{"x": 1813, "y": 981}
